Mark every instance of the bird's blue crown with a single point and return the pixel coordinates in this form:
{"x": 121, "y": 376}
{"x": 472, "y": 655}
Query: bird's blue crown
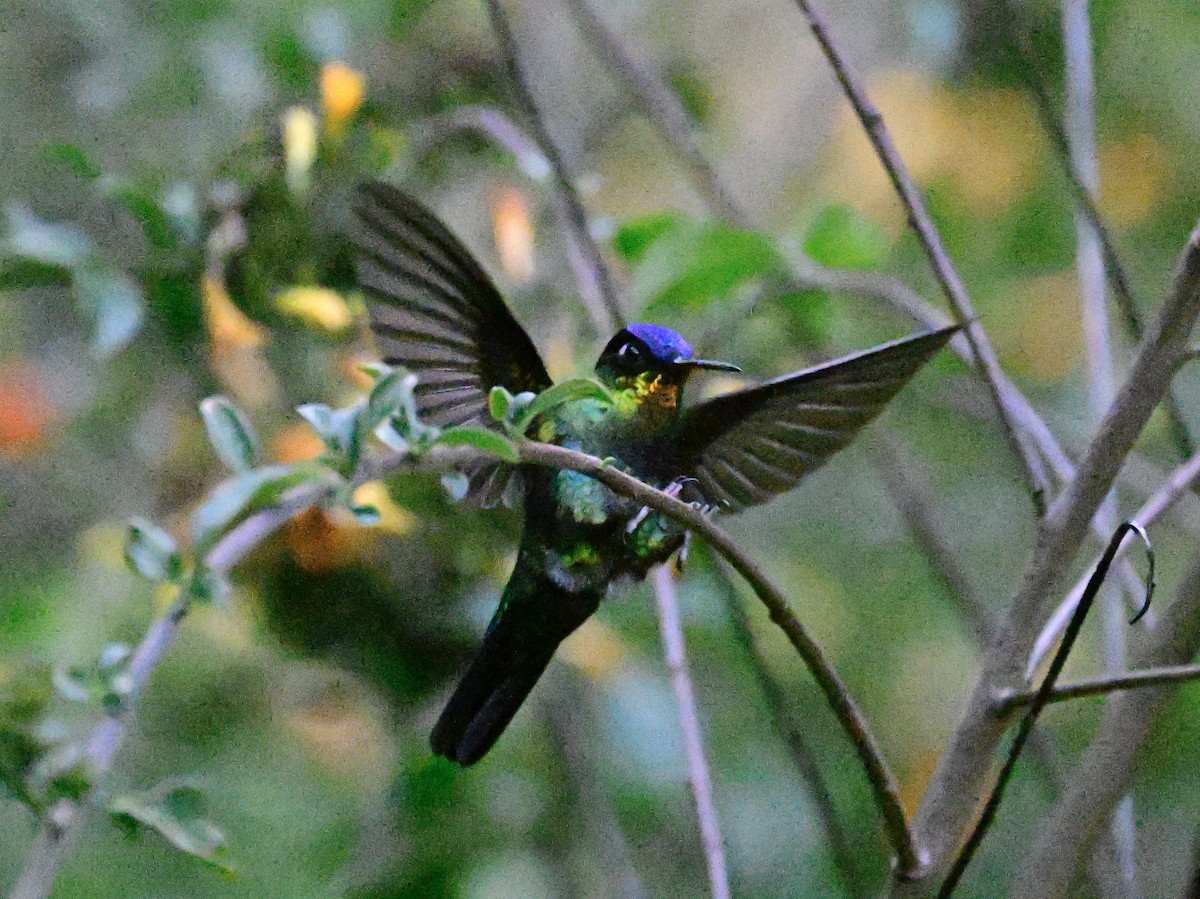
{"x": 665, "y": 344}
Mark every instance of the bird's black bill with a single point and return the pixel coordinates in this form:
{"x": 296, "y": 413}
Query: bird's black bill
{"x": 710, "y": 365}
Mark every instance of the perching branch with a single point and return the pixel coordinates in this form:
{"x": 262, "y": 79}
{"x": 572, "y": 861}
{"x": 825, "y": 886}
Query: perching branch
{"x": 883, "y": 782}
{"x": 791, "y": 732}
{"x": 598, "y": 284}
{"x": 935, "y": 251}
{"x": 55, "y": 840}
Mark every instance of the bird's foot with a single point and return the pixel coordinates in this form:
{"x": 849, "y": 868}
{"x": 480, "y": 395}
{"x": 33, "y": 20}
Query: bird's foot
{"x": 672, "y": 490}
{"x": 682, "y": 557}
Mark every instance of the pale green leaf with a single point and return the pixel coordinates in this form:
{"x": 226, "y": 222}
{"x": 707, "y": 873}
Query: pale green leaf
{"x": 177, "y": 812}
{"x": 565, "y": 392}
{"x": 230, "y": 433}
{"x": 152, "y": 552}
{"x": 481, "y": 439}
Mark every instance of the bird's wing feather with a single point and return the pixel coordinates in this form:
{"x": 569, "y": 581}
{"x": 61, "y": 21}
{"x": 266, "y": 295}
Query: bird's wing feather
{"x": 435, "y": 311}
{"x": 747, "y": 447}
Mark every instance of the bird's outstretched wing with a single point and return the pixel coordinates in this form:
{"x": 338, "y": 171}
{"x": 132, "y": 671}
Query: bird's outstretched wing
{"x": 747, "y": 447}
{"x": 435, "y": 311}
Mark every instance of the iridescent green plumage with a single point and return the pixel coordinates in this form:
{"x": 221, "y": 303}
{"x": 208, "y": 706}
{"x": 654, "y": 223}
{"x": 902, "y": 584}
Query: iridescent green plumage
{"x": 434, "y": 310}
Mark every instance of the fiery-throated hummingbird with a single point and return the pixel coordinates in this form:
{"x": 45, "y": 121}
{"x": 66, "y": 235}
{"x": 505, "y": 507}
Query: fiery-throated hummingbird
{"x": 435, "y": 311}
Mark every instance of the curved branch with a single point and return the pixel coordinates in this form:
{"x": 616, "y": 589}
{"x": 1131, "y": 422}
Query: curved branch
{"x": 949, "y": 805}
{"x": 837, "y": 694}
{"x": 58, "y": 831}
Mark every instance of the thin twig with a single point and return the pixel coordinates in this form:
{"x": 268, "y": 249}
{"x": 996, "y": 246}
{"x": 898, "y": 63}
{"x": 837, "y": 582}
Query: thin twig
{"x": 1103, "y": 774}
{"x": 1102, "y": 686}
{"x": 783, "y": 720}
{"x": 55, "y": 838}
{"x": 1034, "y": 709}
{"x": 598, "y": 282}
{"x": 935, "y": 251}
{"x": 60, "y": 829}
{"x": 1159, "y": 502}
{"x": 1080, "y": 127}
{"x": 964, "y": 772}
{"x": 1031, "y": 70}
{"x": 661, "y": 106}
{"x": 496, "y": 126}
{"x": 667, "y": 601}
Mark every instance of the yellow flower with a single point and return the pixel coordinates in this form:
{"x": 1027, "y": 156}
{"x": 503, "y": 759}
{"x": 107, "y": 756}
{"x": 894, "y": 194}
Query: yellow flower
{"x": 317, "y": 307}
{"x": 299, "y": 146}
{"x": 342, "y": 91}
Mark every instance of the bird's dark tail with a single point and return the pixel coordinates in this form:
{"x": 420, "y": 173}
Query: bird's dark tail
{"x": 535, "y": 615}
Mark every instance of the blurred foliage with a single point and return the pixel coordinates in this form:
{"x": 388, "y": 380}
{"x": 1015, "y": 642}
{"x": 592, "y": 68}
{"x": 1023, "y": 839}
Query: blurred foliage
{"x": 177, "y": 178}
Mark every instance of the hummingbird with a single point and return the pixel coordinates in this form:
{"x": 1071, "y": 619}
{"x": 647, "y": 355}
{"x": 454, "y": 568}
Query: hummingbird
{"x": 434, "y": 310}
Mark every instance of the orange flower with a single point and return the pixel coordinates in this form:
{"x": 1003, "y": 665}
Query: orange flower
{"x": 25, "y": 410}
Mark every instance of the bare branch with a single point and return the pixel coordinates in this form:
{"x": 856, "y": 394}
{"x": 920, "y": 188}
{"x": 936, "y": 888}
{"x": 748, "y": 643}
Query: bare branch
{"x": 1104, "y": 773}
{"x": 671, "y": 625}
{"x": 964, "y": 772}
{"x": 1080, "y": 126}
{"x": 791, "y": 732}
{"x": 585, "y": 254}
{"x": 1133, "y": 680}
{"x": 935, "y": 251}
{"x": 1161, "y": 501}
{"x": 883, "y": 782}
{"x": 56, "y": 836}
{"x": 660, "y": 104}
{"x": 1034, "y": 709}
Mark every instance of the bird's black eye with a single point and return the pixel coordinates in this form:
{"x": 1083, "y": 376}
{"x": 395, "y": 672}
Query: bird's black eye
{"x": 629, "y": 353}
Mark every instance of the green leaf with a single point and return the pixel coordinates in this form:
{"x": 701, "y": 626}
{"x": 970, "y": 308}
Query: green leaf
{"x": 22, "y": 274}
{"x": 842, "y": 238}
{"x": 482, "y": 439}
{"x": 114, "y": 302}
{"x": 74, "y": 160}
{"x": 62, "y": 773}
{"x": 341, "y": 430}
{"x": 695, "y": 262}
{"x": 499, "y": 402}
{"x": 176, "y": 811}
{"x": 564, "y": 392}
{"x": 152, "y": 552}
{"x": 392, "y": 393}
{"x": 387, "y": 434}
{"x": 246, "y": 493}
{"x": 155, "y": 222}
{"x": 210, "y": 587}
{"x": 230, "y": 433}
{"x": 635, "y": 237}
